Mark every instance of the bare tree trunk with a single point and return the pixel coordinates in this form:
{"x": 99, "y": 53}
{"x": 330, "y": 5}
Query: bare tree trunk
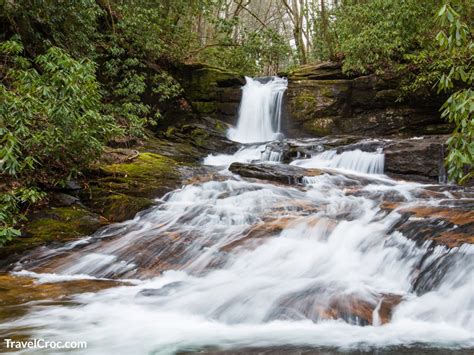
{"x": 325, "y": 29}
{"x": 295, "y": 13}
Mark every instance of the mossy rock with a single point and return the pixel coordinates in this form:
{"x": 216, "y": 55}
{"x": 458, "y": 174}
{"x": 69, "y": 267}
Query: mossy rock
{"x": 205, "y": 83}
{"x": 212, "y": 76}
{"x": 221, "y": 127}
{"x": 205, "y": 107}
{"x": 145, "y": 165}
{"x": 120, "y": 207}
{"x": 307, "y": 105}
{"x": 52, "y": 225}
{"x": 63, "y": 223}
{"x": 199, "y": 137}
{"x": 320, "y": 126}
{"x": 117, "y": 193}
{"x": 129, "y": 188}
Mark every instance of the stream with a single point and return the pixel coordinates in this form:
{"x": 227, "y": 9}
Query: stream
{"x": 230, "y": 263}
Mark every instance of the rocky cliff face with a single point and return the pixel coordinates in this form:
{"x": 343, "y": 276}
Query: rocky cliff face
{"x": 320, "y": 100}
{"x": 212, "y": 91}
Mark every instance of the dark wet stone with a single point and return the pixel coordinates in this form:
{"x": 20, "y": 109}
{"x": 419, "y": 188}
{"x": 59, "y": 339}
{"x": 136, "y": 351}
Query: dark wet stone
{"x": 72, "y": 185}
{"x": 285, "y": 174}
{"x": 162, "y": 291}
{"x": 63, "y": 200}
{"x": 416, "y": 159}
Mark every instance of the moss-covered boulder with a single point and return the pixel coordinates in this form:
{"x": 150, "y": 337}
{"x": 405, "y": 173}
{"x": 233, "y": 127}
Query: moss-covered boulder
{"x": 124, "y": 189}
{"x": 124, "y": 183}
{"x": 50, "y": 225}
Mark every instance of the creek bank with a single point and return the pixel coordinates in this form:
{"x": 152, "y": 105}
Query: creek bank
{"x": 124, "y": 182}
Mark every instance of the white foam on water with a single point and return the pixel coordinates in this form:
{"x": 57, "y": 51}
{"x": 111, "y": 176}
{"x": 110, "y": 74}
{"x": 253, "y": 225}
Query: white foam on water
{"x": 353, "y": 160}
{"x": 267, "y": 291}
{"x": 245, "y": 154}
{"x": 271, "y": 156}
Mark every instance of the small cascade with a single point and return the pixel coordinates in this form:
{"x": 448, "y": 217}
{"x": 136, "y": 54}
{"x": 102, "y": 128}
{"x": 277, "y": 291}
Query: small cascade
{"x": 260, "y": 111}
{"x": 238, "y": 264}
{"x": 355, "y": 160}
{"x": 271, "y": 156}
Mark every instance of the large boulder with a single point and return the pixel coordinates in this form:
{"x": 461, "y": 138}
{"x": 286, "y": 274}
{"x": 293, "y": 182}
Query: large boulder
{"x": 419, "y": 159}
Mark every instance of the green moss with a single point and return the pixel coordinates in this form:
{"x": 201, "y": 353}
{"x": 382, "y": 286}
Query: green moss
{"x": 205, "y": 107}
{"x": 205, "y": 83}
{"x": 319, "y": 126}
{"x": 170, "y": 131}
{"x": 120, "y": 207}
{"x": 220, "y": 127}
{"x": 147, "y": 176}
{"x": 63, "y": 222}
{"x": 145, "y": 165}
{"x": 53, "y": 224}
{"x": 303, "y": 105}
{"x": 199, "y": 137}
{"x": 128, "y": 188}
{"x": 210, "y": 76}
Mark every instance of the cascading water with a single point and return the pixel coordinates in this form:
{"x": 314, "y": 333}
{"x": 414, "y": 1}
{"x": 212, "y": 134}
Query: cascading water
{"x": 232, "y": 264}
{"x": 260, "y": 111}
{"x": 355, "y": 160}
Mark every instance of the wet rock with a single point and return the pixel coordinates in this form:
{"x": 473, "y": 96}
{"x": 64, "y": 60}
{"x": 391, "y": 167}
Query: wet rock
{"x": 201, "y": 139}
{"x": 291, "y": 149}
{"x": 166, "y": 290}
{"x": 258, "y": 232}
{"x": 17, "y": 291}
{"x": 72, "y": 185}
{"x": 372, "y": 145}
{"x": 63, "y": 200}
{"x": 316, "y": 305}
{"x": 416, "y": 159}
{"x": 285, "y": 174}
{"x": 450, "y": 225}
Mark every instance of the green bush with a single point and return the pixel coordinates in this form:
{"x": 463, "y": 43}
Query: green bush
{"x": 12, "y": 204}
{"x": 455, "y": 39}
{"x": 51, "y": 126}
{"x": 374, "y": 34}
{"x": 50, "y": 119}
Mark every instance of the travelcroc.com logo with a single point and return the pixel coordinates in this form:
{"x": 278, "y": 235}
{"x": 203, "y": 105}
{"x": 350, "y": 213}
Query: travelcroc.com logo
{"x": 43, "y": 344}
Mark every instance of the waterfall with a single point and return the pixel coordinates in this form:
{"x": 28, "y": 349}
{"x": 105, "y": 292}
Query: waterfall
{"x": 354, "y": 160}
{"x": 260, "y": 111}
{"x": 235, "y": 263}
